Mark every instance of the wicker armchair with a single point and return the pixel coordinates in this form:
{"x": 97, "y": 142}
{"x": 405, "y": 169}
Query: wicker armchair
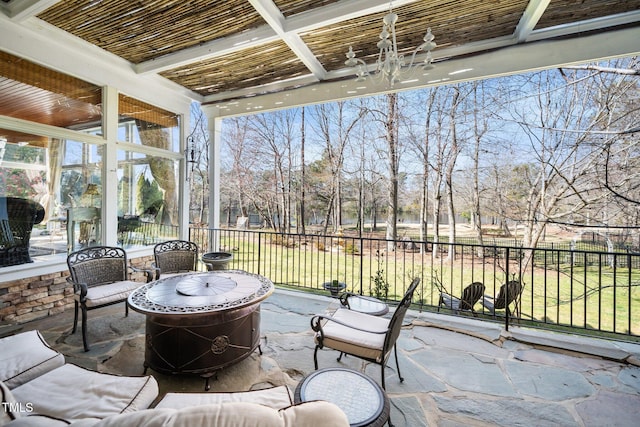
{"x": 174, "y": 257}
{"x": 17, "y": 218}
{"x": 100, "y": 277}
{"x": 362, "y": 335}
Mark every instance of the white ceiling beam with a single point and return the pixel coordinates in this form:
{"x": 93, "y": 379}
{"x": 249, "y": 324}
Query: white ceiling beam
{"x": 212, "y": 49}
{"x": 515, "y": 59}
{"x": 291, "y": 27}
{"x": 530, "y": 19}
{"x": 19, "y": 10}
{"x": 338, "y": 12}
{"x": 275, "y": 19}
{"x": 587, "y": 25}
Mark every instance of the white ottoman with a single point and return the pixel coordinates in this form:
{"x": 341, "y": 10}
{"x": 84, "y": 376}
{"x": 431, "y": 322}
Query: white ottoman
{"x": 26, "y": 356}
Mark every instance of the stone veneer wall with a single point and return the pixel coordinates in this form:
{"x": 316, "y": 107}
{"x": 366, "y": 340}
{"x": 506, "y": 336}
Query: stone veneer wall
{"x": 40, "y": 296}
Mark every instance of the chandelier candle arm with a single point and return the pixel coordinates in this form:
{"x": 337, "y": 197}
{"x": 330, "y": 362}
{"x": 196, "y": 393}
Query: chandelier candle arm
{"x": 390, "y": 65}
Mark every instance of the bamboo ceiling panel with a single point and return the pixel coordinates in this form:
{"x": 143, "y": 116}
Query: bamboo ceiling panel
{"x": 145, "y": 29}
{"x": 293, "y": 7}
{"x": 567, "y": 11}
{"x": 134, "y": 108}
{"x": 452, "y": 23}
{"x": 247, "y": 68}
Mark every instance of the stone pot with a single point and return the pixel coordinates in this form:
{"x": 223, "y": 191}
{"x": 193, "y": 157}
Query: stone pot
{"x": 217, "y": 260}
{"x": 334, "y": 288}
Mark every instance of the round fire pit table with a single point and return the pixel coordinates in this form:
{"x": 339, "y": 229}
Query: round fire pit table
{"x": 199, "y": 323}
{"x": 217, "y": 260}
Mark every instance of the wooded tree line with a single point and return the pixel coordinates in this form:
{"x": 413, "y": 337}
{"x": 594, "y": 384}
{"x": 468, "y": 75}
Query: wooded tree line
{"x": 556, "y": 146}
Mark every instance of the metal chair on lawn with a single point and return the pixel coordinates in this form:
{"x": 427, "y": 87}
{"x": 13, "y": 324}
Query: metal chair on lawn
{"x": 470, "y": 296}
{"x": 509, "y": 293}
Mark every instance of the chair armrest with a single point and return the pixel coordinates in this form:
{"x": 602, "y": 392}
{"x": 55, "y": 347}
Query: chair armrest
{"x": 147, "y": 272}
{"x": 79, "y": 287}
{"x": 344, "y": 298}
{"x": 316, "y": 324}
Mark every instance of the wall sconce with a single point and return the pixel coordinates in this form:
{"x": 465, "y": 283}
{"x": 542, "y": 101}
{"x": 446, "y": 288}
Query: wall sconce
{"x": 190, "y": 156}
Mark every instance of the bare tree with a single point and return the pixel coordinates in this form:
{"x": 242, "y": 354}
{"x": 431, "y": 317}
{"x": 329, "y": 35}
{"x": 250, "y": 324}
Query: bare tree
{"x": 454, "y": 151}
{"x": 273, "y": 137}
{"x": 335, "y": 123}
{"x": 560, "y": 181}
{"x": 198, "y": 167}
{"x": 301, "y": 219}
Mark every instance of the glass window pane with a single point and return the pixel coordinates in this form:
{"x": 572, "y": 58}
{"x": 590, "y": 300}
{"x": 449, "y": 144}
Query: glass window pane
{"x": 145, "y": 124}
{"x": 147, "y": 199}
{"x": 64, "y": 178}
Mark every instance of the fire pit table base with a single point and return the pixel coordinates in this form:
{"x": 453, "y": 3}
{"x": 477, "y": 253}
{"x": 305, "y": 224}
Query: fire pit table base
{"x": 201, "y": 344}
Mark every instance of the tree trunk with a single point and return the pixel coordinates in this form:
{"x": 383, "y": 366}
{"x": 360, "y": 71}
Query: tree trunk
{"x": 392, "y": 146}
{"x": 301, "y": 221}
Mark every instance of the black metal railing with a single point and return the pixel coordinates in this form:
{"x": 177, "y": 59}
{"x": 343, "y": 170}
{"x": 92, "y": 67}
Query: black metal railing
{"x": 594, "y": 292}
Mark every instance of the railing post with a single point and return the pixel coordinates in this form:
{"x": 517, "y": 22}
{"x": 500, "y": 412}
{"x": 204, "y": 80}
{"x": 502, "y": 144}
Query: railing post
{"x": 506, "y": 288}
{"x": 361, "y": 265}
{"x": 259, "y": 251}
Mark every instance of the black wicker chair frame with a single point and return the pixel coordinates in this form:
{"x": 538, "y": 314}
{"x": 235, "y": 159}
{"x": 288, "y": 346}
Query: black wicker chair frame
{"x": 391, "y": 333}
{"x": 15, "y": 229}
{"x": 175, "y": 256}
{"x": 104, "y": 267}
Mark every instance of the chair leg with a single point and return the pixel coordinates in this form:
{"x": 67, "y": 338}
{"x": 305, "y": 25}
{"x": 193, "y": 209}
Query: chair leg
{"x": 84, "y": 328}
{"x": 126, "y": 309}
{"x": 382, "y": 375}
{"x": 340, "y": 357}
{"x": 395, "y": 350}
{"x": 75, "y": 317}
{"x": 315, "y": 358}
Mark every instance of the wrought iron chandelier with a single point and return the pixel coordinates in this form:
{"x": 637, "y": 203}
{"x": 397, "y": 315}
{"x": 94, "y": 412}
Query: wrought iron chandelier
{"x": 390, "y": 65}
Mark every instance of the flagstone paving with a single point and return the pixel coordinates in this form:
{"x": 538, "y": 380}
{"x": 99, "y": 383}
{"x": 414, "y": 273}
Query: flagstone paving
{"x": 458, "y": 371}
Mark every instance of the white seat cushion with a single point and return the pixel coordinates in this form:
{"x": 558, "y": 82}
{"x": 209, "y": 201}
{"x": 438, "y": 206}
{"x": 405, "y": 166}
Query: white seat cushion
{"x": 72, "y": 393}
{"x": 275, "y": 397}
{"x": 234, "y": 414}
{"x": 113, "y": 292}
{"x": 354, "y": 341}
{"x": 26, "y": 356}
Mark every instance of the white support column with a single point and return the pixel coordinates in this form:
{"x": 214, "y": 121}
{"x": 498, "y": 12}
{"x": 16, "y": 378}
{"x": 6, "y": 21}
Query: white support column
{"x": 214, "y": 125}
{"x": 110, "y": 167}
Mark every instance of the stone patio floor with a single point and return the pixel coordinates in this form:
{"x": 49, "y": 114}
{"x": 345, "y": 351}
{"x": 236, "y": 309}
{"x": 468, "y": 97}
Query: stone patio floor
{"x": 458, "y": 371}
